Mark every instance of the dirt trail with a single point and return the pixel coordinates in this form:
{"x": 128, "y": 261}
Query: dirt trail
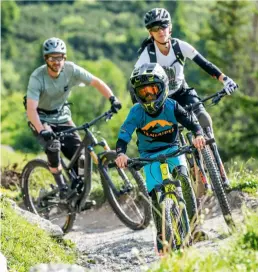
{"x": 106, "y": 244}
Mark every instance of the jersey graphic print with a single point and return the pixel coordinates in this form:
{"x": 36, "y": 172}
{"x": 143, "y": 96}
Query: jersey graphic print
{"x": 158, "y": 131}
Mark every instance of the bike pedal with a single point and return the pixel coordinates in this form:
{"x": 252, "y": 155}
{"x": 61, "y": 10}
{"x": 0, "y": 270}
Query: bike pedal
{"x": 89, "y": 204}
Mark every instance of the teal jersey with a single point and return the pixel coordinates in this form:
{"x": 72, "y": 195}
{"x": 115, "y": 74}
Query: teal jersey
{"x": 153, "y": 133}
{"x": 51, "y": 93}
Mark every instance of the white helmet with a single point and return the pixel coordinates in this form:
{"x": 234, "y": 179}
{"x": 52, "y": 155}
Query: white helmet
{"x": 54, "y": 45}
{"x": 156, "y": 16}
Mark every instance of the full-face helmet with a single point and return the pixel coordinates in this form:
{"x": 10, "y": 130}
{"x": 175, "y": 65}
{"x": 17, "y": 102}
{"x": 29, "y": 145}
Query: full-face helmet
{"x": 150, "y": 86}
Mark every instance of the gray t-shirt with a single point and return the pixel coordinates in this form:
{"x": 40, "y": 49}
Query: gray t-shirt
{"x": 51, "y": 94}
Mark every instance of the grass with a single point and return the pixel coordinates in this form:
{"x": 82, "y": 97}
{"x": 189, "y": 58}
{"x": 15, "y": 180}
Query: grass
{"x": 244, "y": 177}
{"x": 13, "y": 159}
{"x": 238, "y": 253}
{"x": 25, "y": 245}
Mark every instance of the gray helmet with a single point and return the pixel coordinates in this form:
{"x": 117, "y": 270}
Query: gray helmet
{"x": 150, "y": 74}
{"x": 54, "y": 45}
{"x": 157, "y": 16}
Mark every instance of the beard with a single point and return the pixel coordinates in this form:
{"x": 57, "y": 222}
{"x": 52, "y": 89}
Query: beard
{"x": 55, "y": 68}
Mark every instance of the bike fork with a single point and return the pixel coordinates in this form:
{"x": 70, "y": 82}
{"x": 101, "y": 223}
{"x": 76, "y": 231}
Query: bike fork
{"x": 218, "y": 160}
{"x": 201, "y": 170}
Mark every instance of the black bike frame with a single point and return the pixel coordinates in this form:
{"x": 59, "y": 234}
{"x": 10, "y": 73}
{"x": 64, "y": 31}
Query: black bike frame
{"x": 89, "y": 141}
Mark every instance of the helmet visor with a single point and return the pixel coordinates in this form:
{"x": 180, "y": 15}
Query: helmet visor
{"x": 147, "y": 93}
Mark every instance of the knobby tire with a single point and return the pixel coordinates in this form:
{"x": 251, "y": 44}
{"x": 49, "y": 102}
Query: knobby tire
{"x": 30, "y": 206}
{"x": 115, "y": 205}
{"x": 217, "y": 185}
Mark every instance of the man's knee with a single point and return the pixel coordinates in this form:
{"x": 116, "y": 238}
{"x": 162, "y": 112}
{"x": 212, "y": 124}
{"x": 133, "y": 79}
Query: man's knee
{"x": 53, "y": 153}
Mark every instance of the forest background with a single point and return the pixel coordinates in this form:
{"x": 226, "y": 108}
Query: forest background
{"x": 104, "y": 36}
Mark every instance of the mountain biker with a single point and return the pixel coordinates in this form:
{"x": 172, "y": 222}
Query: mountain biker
{"x": 155, "y": 119}
{"x": 48, "y": 88}
{"x": 171, "y": 54}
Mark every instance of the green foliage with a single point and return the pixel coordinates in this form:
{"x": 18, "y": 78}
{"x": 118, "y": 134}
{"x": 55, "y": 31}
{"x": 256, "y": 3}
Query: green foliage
{"x": 238, "y": 253}
{"x": 25, "y": 245}
{"x": 98, "y": 31}
{"x": 9, "y": 14}
{"x": 244, "y": 176}
{"x": 14, "y": 129}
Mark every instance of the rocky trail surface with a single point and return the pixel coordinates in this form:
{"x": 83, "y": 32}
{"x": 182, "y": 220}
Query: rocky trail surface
{"x": 106, "y": 245}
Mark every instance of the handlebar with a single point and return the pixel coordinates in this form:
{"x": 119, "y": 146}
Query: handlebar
{"x": 107, "y": 115}
{"x": 138, "y": 163}
{"x": 215, "y": 100}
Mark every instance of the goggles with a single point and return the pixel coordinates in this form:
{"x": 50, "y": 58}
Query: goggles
{"x": 52, "y": 59}
{"x": 156, "y": 26}
{"x": 148, "y": 90}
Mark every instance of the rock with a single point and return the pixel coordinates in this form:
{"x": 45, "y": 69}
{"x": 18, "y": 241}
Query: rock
{"x": 53, "y": 230}
{"x": 3, "y": 263}
{"x": 57, "y": 268}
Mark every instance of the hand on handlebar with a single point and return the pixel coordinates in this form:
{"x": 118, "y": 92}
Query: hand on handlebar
{"x": 229, "y": 85}
{"x": 199, "y": 142}
{"x": 115, "y": 104}
{"x": 121, "y": 160}
{"x": 47, "y": 135}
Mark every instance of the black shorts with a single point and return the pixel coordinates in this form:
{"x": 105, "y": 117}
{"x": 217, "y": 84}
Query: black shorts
{"x": 186, "y": 97}
{"x": 69, "y": 144}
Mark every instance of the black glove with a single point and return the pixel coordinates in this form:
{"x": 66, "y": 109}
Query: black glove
{"x": 47, "y": 135}
{"x": 115, "y": 104}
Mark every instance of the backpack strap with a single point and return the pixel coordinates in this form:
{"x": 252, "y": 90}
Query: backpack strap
{"x": 177, "y": 50}
{"x": 152, "y": 52}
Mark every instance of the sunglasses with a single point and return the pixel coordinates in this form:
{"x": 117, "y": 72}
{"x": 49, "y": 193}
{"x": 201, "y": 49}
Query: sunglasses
{"x": 52, "y": 59}
{"x": 150, "y": 90}
{"x": 158, "y": 27}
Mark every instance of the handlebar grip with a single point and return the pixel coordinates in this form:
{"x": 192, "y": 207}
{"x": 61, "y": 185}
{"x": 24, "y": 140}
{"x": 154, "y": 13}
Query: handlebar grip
{"x": 112, "y": 165}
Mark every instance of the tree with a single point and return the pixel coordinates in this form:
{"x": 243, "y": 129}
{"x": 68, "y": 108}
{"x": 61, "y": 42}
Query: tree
{"x": 9, "y": 15}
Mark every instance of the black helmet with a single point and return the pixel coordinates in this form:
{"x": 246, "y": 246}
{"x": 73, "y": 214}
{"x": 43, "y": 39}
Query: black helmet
{"x": 157, "y": 16}
{"x": 150, "y": 77}
{"x": 54, "y": 45}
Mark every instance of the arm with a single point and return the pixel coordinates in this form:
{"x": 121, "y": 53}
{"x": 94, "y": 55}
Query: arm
{"x": 191, "y": 53}
{"x": 187, "y": 120}
{"x": 190, "y": 123}
{"x": 33, "y": 114}
{"x": 101, "y": 86}
{"x": 124, "y": 137}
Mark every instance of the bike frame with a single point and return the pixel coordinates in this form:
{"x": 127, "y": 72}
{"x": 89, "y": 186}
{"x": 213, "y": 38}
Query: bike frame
{"x": 87, "y": 147}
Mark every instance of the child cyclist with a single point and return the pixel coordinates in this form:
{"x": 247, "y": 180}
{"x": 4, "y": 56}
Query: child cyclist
{"x": 155, "y": 119}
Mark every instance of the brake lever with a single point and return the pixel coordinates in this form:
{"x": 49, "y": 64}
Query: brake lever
{"x": 109, "y": 116}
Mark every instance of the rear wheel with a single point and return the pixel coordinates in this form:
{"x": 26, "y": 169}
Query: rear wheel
{"x": 126, "y": 192}
{"x": 40, "y": 195}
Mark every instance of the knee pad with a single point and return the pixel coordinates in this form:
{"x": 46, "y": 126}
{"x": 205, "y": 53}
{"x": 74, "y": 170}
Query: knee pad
{"x": 180, "y": 171}
{"x": 53, "y": 153}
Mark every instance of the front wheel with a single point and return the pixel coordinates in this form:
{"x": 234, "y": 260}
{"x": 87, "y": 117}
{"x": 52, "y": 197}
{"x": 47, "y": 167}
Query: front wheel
{"x": 216, "y": 181}
{"x": 126, "y": 193}
{"x": 40, "y": 195}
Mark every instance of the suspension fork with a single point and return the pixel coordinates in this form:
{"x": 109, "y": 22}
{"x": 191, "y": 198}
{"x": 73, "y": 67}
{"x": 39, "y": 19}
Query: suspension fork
{"x": 216, "y": 155}
{"x": 197, "y": 158}
{"x": 183, "y": 142}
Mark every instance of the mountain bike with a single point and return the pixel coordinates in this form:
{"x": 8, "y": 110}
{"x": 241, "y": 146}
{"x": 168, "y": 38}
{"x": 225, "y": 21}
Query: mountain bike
{"x": 206, "y": 168}
{"x": 124, "y": 189}
{"x": 170, "y": 214}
